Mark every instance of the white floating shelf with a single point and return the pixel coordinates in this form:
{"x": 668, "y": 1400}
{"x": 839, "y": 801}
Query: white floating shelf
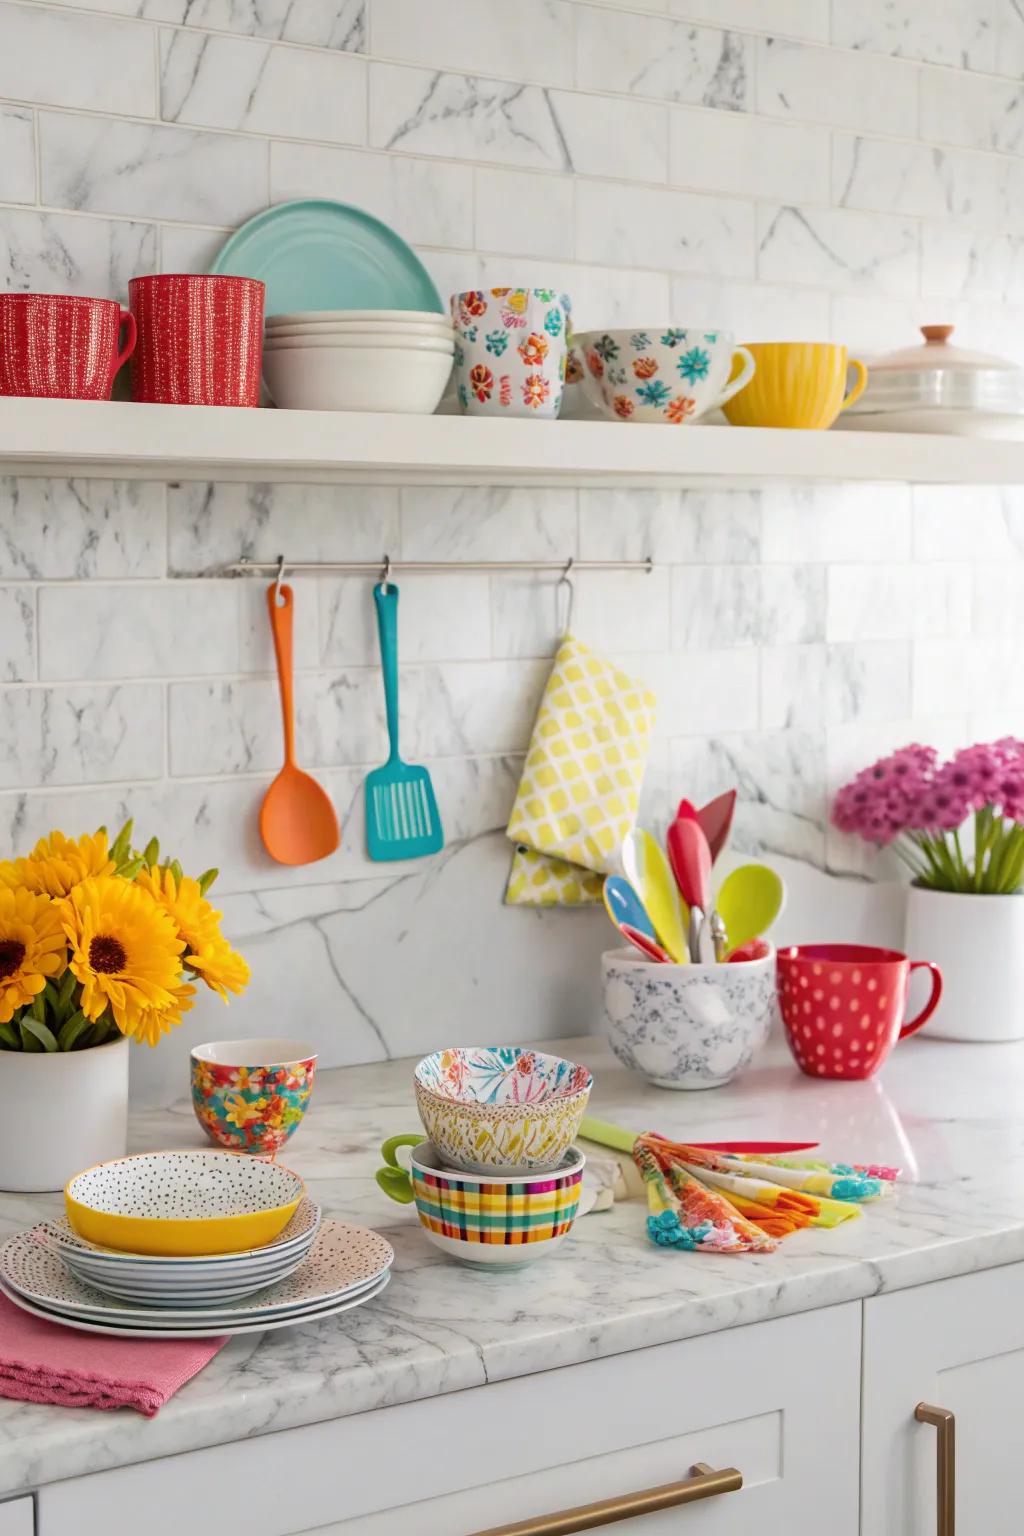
{"x": 166, "y": 442}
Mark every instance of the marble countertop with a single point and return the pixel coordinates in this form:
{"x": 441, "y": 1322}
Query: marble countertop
{"x": 948, "y": 1114}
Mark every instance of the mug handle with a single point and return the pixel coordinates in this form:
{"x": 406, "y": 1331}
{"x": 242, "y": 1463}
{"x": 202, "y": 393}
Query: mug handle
{"x": 855, "y": 394}
{"x": 930, "y": 1006}
{"x": 128, "y": 321}
{"x": 393, "y": 1179}
{"x": 590, "y": 387}
{"x": 744, "y": 377}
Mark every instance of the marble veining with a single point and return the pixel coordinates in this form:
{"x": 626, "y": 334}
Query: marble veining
{"x": 655, "y": 56}
{"x": 944, "y": 1113}
{"x": 463, "y": 115}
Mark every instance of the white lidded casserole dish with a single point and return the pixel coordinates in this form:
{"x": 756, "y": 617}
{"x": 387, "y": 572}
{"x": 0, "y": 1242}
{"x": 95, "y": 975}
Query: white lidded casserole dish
{"x": 937, "y": 387}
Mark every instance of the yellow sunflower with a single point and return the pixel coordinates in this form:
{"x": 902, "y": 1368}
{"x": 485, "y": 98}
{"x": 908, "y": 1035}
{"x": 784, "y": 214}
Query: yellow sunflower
{"x": 125, "y": 951}
{"x": 208, "y": 953}
{"x": 32, "y": 947}
{"x": 58, "y": 863}
{"x": 154, "y": 1023}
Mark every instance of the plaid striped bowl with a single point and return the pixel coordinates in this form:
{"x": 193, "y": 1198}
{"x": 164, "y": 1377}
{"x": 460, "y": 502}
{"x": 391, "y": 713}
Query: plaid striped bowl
{"x": 507, "y": 1220}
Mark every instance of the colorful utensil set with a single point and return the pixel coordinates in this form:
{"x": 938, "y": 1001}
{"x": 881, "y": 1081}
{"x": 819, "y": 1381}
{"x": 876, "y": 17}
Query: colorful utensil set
{"x": 663, "y": 905}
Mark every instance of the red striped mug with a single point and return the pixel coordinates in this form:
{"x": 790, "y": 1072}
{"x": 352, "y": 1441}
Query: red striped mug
{"x": 61, "y": 346}
{"x": 200, "y": 339}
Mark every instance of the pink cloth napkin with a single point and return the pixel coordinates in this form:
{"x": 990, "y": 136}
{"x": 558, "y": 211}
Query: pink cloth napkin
{"x": 43, "y": 1362}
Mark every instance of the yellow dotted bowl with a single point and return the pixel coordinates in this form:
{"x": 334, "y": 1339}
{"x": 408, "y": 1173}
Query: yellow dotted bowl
{"x": 182, "y": 1203}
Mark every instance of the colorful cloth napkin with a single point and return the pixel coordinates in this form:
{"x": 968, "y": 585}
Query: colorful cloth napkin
{"x": 580, "y": 789}
{"x": 43, "y": 1362}
{"x": 724, "y": 1202}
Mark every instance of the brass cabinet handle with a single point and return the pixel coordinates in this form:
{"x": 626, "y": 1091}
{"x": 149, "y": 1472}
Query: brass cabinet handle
{"x": 945, "y": 1465}
{"x": 704, "y": 1482}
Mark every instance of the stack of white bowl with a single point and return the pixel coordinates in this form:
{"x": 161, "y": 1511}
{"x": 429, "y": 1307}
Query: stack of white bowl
{"x": 358, "y": 360}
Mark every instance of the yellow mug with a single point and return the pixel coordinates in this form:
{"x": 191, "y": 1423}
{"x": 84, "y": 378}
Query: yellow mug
{"x": 796, "y": 384}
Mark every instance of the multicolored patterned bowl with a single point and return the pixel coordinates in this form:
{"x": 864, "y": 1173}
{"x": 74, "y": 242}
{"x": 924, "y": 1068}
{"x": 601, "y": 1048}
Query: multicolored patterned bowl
{"x": 250, "y": 1095}
{"x": 501, "y": 1108}
{"x": 504, "y": 1220}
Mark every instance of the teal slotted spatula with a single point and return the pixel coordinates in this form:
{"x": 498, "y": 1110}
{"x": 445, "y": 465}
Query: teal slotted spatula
{"x": 402, "y": 820}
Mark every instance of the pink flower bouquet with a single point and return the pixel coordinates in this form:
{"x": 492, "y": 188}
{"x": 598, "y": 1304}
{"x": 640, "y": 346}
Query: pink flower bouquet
{"x": 920, "y": 806}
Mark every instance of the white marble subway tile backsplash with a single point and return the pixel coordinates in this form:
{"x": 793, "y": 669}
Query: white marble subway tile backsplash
{"x": 799, "y": 169}
{"x": 166, "y": 630}
{"x": 64, "y": 60}
{"x": 476, "y": 36}
{"x": 74, "y": 530}
{"x": 834, "y": 248}
{"x": 60, "y": 253}
{"x": 325, "y": 24}
{"x": 959, "y": 33}
{"x": 106, "y": 165}
{"x": 845, "y": 90}
{"x": 665, "y": 58}
{"x": 17, "y": 155}
{"x": 81, "y": 735}
{"x": 230, "y": 82}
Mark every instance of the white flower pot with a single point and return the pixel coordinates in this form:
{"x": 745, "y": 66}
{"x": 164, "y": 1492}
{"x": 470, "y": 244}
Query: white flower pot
{"x": 978, "y": 943}
{"x": 60, "y": 1112}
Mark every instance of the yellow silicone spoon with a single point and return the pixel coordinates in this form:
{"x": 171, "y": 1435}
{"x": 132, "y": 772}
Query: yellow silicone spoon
{"x": 649, "y": 873}
{"x": 750, "y": 899}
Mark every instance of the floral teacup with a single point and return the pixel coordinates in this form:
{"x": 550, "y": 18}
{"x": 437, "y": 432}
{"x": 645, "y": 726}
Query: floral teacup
{"x": 660, "y": 373}
{"x": 511, "y": 350}
{"x": 251, "y": 1094}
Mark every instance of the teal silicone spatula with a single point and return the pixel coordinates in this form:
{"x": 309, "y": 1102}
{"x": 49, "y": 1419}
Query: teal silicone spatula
{"x": 402, "y": 819}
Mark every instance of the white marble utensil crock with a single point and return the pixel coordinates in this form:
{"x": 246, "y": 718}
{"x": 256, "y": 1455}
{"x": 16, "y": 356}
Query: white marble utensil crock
{"x": 687, "y": 1026}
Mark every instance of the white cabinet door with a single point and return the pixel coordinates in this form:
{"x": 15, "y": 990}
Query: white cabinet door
{"x": 780, "y": 1401}
{"x": 17, "y": 1517}
{"x": 957, "y": 1345}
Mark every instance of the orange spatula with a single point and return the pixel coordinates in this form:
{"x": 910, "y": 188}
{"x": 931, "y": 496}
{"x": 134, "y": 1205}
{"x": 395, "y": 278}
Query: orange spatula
{"x": 298, "y": 824}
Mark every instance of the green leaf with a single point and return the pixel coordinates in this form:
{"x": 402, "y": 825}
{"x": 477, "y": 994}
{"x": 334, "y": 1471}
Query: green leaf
{"x": 206, "y": 879}
{"x": 47, "y": 1039}
{"x": 72, "y": 1030}
{"x": 177, "y": 872}
{"x": 9, "y": 1037}
{"x": 151, "y": 852}
{"x": 37, "y": 1007}
{"x": 29, "y": 1041}
{"x": 130, "y": 870}
{"x": 66, "y": 993}
{"x": 122, "y": 845}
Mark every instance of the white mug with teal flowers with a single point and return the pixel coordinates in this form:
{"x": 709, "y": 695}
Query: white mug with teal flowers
{"x": 659, "y": 374}
{"x": 511, "y": 350}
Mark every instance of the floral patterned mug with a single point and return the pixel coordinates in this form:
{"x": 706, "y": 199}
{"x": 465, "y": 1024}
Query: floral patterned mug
{"x": 511, "y": 351}
{"x": 659, "y": 374}
{"x": 250, "y": 1095}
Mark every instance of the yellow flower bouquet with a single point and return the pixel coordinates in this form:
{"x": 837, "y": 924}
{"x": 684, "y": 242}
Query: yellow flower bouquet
{"x": 98, "y": 940}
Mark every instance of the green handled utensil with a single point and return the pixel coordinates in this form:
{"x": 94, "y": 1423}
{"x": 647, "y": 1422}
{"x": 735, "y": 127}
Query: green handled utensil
{"x": 402, "y": 819}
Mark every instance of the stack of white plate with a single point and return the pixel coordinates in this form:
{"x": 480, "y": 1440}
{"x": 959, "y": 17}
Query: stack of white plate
{"x": 358, "y": 360}
{"x": 341, "y": 1267}
{"x": 152, "y": 1280}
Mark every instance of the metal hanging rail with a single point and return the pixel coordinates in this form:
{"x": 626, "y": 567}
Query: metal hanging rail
{"x": 385, "y": 567}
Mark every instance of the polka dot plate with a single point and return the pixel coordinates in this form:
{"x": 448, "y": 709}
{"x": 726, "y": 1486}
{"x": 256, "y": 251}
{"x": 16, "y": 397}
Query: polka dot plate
{"x": 193, "y": 1330}
{"x": 343, "y": 1261}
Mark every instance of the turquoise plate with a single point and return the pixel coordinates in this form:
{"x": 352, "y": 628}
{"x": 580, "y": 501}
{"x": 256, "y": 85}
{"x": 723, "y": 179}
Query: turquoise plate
{"x": 318, "y": 254}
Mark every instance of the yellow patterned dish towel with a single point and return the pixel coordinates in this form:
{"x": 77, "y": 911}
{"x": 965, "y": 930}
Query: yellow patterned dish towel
{"x": 580, "y": 789}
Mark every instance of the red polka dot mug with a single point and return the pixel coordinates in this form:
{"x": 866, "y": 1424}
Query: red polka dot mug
{"x": 843, "y": 1005}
